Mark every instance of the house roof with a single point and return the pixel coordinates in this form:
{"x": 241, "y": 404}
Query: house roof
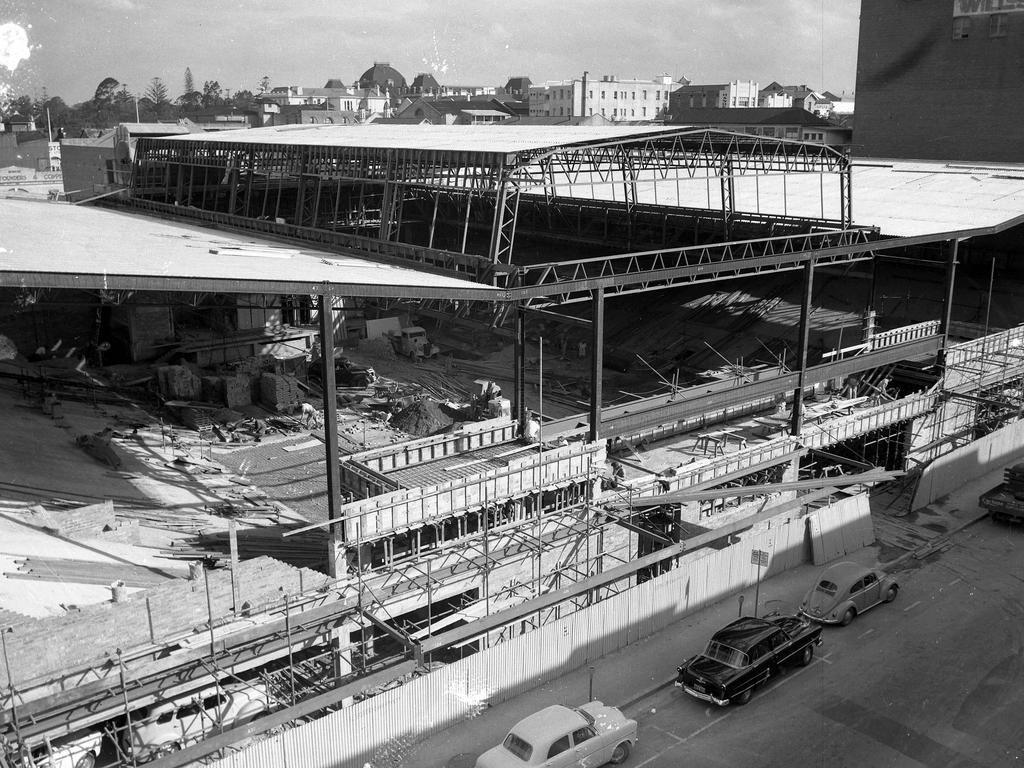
{"x": 518, "y": 83}
{"x": 747, "y": 116}
{"x": 58, "y": 245}
{"x": 425, "y": 81}
{"x": 382, "y": 74}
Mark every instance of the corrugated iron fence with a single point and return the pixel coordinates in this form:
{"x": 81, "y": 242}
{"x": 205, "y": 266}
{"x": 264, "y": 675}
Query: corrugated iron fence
{"x": 387, "y": 724}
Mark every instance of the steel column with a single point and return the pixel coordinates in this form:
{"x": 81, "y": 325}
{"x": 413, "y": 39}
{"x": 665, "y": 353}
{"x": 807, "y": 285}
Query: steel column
{"x": 947, "y": 306}
{"x": 596, "y": 365}
{"x": 802, "y": 342}
{"x": 519, "y": 363}
{"x": 728, "y": 198}
{"x": 335, "y": 569}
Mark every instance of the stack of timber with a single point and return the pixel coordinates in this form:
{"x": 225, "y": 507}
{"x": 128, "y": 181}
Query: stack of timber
{"x": 280, "y": 392}
{"x": 307, "y": 550}
{"x": 90, "y": 572}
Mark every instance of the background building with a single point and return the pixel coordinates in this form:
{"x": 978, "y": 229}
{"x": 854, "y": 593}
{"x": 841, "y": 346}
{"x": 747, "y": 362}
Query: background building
{"x": 940, "y": 80}
{"x": 738, "y": 93}
{"x": 608, "y": 97}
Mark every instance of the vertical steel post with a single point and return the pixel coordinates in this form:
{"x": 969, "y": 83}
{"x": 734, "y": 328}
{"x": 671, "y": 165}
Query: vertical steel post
{"x": 335, "y": 569}
{"x": 127, "y": 709}
{"x": 947, "y": 306}
{"x": 519, "y": 363}
{"x": 288, "y": 635}
{"x": 596, "y": 364}
{"x": 802, "y": 342}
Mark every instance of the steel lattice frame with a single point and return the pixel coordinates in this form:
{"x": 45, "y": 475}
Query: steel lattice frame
{"x": 372, "y": 187}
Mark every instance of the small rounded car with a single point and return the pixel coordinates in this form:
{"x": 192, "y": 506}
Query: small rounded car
{"x": 167, "y": 726}
{"x": 845, "y": 590}
{"x": 79, "y": 750}
{"x": 557, "y": 736}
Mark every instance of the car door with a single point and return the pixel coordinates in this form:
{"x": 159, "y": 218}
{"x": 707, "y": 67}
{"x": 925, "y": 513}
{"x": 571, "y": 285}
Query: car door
{"x": 857, "y": 594}
{"x": 561, "y": 753}
{"x": 590, "y": 748}
{"x": 870, "y": 590}
{"x": 781, "y": 646}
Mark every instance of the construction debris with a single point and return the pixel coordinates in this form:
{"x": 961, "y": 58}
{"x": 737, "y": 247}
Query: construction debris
{"x": 422, "y": 418}
{"x": 100, "y": 447}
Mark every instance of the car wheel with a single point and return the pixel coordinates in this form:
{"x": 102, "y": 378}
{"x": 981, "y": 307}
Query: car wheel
{"x": 742, "y": 698}
{"x": 88, "y": 760}
{"x": 807, "y": 655}
{"x": 621, "y": 753}
{"x": 891, "y": 594}
{"x": 848, "y": 617}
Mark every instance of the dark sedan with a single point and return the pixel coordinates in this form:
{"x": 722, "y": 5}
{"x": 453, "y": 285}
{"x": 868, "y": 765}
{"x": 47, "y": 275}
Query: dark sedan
{"x": 746, "y": 653}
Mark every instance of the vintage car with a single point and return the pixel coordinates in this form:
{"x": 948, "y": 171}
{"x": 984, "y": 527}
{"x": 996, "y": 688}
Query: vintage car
{"x": 744, "y": 654}
{"x": 168, "y": 726}
{"x": 79, "y": 750}
{"x": 845, "y": 589}
{"x": 591, "y": 734}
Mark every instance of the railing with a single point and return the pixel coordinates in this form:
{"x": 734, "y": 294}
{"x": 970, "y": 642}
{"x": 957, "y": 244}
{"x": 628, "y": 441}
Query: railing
{"x": 904, "y": 334}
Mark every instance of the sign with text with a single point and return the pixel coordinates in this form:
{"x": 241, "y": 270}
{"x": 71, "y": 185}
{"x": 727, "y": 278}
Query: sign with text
{"x": 759, "y": 557}
{"x": 985, "y": 7}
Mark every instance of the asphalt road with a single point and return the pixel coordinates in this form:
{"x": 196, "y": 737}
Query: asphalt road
{"x": 933, "y": 679}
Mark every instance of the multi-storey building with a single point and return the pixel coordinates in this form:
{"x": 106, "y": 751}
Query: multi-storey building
{"x": 608, "y": 97}
{"x": 940, "y": 80}
{"x": 738, "y": 93}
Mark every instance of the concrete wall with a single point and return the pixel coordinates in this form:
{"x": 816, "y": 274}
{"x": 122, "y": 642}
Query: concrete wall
{"x": 952, "y": 470}
{"x": 922, "y": 94}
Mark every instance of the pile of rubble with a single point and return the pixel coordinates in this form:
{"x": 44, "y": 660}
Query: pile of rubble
{"x": 421, "y": 418}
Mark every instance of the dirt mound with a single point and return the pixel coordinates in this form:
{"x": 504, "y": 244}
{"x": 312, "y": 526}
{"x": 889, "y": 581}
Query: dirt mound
{"x": 422, "y": 418}
{"x": 379, "y": 349}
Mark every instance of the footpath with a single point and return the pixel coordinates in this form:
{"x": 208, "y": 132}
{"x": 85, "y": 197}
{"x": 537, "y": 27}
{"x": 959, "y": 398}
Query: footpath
{"x": 629, "y": 675}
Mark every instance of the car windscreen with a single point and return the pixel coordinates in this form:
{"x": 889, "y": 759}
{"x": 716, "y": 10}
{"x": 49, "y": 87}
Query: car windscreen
{"x": 518, "y": 746}
{"x": 828, "y": 587}
{"x": 726, "y": 655}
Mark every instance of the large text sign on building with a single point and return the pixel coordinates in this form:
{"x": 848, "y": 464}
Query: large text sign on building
{"x": 982, "y": 7}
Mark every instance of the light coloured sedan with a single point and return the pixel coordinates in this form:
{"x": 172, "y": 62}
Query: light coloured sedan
{"x": 168, "y": 726}
{"x": 79, "y": 750}
{"x": 845, "y": 590}
{"x": 560, "y": 736}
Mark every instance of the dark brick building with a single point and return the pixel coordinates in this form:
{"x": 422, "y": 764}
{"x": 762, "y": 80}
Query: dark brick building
{"x": 941, "y": 79}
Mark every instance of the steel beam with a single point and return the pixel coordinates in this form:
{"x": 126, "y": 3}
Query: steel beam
{"x": 687, "y": 404}
{"x": 803, "y": 339}
{"x": 596, "y": 365}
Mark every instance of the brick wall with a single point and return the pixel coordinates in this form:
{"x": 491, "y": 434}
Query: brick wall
{"x": 923, "y": 95}
{"x": 40, "y": 647}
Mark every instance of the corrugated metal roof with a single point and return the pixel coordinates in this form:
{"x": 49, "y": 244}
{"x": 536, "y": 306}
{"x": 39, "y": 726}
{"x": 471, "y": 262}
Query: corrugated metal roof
{"x": 460, "y": 138}
{"x": 901, "y": 198}
{"x": 46, "y": 244}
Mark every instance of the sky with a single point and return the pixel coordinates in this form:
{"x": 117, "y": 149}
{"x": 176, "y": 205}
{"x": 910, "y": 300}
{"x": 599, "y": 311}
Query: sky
{"x": 73, "y": 45}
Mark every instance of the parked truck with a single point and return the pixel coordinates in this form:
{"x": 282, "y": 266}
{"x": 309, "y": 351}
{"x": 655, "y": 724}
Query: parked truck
{"x": 1005, "y": 502}
{"x": 412, "y": 342}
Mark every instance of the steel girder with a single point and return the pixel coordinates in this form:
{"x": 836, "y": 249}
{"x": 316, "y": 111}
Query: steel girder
{"x": 665, "y": 409}
{"x": 570, "y": 281}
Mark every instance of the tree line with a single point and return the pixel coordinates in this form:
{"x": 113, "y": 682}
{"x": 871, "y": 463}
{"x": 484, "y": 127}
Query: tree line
{"x": 113, "y": 103}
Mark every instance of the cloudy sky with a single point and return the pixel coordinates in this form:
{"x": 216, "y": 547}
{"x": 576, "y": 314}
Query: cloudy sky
{"x": 77, "y": 43}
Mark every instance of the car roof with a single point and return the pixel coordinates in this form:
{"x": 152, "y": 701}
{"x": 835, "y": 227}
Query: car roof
{"x": 844, "y": 573}
{"x": 744, "y": 632}
{"x": 550, "y": 723}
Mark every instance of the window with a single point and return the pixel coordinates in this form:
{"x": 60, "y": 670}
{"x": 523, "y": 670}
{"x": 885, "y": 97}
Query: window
{"x": 961, "y": 27}
{"x": 602, "y": 111}
{"x": 582, "y": 734}
{"x": 602, "y": 94}
{"x": 645, "y": 94}
{"x": 643, "y": 111}
{"x": 632, "y": 95}
{"x": 826, "y": 586}
{"x": 768, "y": 132}
{"x": 590, "y": 94}
{"x": 760, "y": 650}
{"x": 731, "y": 657}
{"x": 590, "y": 110}
{"x": 559, "y": 747}
{"x": 857, "y": 586}
{"x": 869, "y": 580}
{"x": 615, "y": 112}
{"x": 519, "y": 747}
{"x": 997, "y": 25}
{"x": 657, "y": 95}
{"x": 777, "y": 640}
{"x": 632, "y": 112}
